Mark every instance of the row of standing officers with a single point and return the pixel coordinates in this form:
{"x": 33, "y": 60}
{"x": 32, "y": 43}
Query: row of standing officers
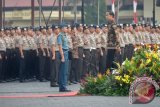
{"x": 68, "y": 53}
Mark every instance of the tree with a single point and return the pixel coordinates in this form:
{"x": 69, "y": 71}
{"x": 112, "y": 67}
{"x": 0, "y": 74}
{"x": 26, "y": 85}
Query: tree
{"x": 91, "y": 11}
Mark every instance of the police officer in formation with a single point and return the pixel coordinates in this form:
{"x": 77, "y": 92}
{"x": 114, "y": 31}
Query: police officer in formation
{"x": 67, "y": 53}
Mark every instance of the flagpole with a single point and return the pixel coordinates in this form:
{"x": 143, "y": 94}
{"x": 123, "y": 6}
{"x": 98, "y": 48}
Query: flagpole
{"x": 98, "y": 14}
{"x": 118, "y": 12}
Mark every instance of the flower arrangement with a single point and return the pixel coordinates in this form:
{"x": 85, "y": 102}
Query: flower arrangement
{"x": 145, "y": 62}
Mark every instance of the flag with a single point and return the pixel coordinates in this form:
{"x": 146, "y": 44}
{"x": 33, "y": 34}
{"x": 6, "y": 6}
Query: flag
{"x": 135, "y": 11}
{"x": 113, "y": 6}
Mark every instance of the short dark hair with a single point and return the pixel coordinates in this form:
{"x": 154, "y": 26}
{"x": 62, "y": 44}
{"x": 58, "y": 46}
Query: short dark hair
{"x": 111, "y": 14}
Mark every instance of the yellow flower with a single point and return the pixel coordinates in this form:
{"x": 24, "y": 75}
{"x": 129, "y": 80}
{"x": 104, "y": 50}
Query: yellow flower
{"x": 118, "y": 78}
{"x": 126, "y": 76}
{"x": 99, "y": 75}
{"x": 95, "y": 80}
{"x": 148, "y": 61}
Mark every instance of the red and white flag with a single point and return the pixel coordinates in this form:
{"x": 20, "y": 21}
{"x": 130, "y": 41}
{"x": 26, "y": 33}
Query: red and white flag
{"x": 113, "y": 6}
{"x": 135, "y": 11}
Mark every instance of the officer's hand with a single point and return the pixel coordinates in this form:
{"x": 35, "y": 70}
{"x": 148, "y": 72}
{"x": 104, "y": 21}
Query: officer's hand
{"x": 48, "y": 55}
{"x": 22, "y": 56}
{"x": 53, "y": 57}
{"x": 63, "y": 60}
{"x": 118, "y": 50}
{"x": 84, "y": 56}
{"x": 101, "y": 53}
{"x": 44, "y": 54}
{"x": 0, "y": 57}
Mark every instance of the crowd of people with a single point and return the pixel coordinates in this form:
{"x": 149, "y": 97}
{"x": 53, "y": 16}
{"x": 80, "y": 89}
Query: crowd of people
{"x": 67, "y": 53}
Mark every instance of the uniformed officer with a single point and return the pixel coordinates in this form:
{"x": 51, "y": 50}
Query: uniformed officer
{"x": 17, "y": 38}
{"x": 102, "y": 67}
{"x": 54, "y": 62}
{"x": 63, "y": 55}
{"x": 113, "y": 43}
{"x": 79, "y": 35}
{"x": 32, "y": 54}
{"x": 70, "y": 44}
{"x": 75, "y": 76}
{"x": 2, "y": 55}
{"x": 24, "y": 54}
{"x": 43, "y": 52}
{"x": 99, "y": 52}
{"x": 87, "y": 48}
{"x": 93, "y": 63}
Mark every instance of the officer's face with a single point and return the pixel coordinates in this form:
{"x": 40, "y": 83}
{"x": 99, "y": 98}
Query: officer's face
{"x": 25, "y": 32}
{"x": 49, "y": 31}
{"x": 12, "y": 31}
{"x": 44, "y": 31}
{"x": 92, "y": 29}
{"x": 98, "y": 30}
{"x": 18, "y": 31}
{"x": 56, "y": 31}
{"x": 64, "y": 29}
{"x": 69, "y": 30}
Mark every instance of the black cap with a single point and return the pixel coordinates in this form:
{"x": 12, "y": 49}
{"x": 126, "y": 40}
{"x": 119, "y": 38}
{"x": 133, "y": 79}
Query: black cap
{"x": 111, "y": 14}
{"x": 55, "y": 26}
{"x": 1, "y": 29}
{"x": 85, "y": 27}
{"x": 48, "y": 27}
{"x": 17, "y": 28}
{"x": 24, "y": 29}
{"x": 78, "y": 25}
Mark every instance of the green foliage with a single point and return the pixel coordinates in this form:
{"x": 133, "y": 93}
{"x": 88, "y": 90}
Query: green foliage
{"x": 145, "y": 62}
{"x": 91, "y": 11}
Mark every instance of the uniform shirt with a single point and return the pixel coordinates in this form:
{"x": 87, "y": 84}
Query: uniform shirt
{"x": 62, "y": 40}
{"x": 24, "y": 43}
{"x": 86, "y": 41}
{"x": 125, "y": 38}
{"x": 12, "y": 42}
{"x": 32, "y": 43}
{"x": 153, "y": 38}
{"x": 70, "y": 44}
{"x": 7, "y": 42}
{"x": 79, "y": 36}
{"x": 122, "y": 43}
{"x": 93, "y": 41}
{"x": 17, "y": 40}
{"x": 43, "y": 40}
{"x": 147, "y": 38}
{"x": 136, "y": 36}
{"x": 98, "y": 40}
{"x": 2, "y": 44}
{"x": 75, "y": 47}
{"x": 103, "y": 40}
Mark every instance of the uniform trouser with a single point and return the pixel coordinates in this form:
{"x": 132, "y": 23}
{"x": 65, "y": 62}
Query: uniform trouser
{"x": 10, "y": 61}
{"x": 130, "y": 51}
{"x": 2, "y": 65}
{"x": 86, "y": 62}
{"x": 42, "y": 60}
{"x": 93, "y": 67}
{"x": 17, "y": 61}
{"x": 47, "y": 65}
{"x": 110, "y": 58}
{"x": 69, "y": 65}
{"x": 120, "y": 56}
{"x": 23, "y": 65}
{"x": 74, "y": 70}
{"x": 102, "y": 63}
{"x": 98, "y": 53}
{"x": 63, "y": 71}
{"x": 80, "y": 62}
{"x": 32, "y": 63}
{"x": 54, "y": 69}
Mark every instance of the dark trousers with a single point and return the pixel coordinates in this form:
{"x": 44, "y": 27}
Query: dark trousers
{"x": 10, "y": 61}
{"x": 23, "y": 66}
{"x": 120, "y": 56}
{"x": 74, "y": 71}
{"x": 42, "y": 60}
{"x": 102, "y": 63}
{"x": 86, "y": 62}
{"x": 17, "y": 61}
{"x": 2, "y": 65}
{"x": 110, "y": 58}
{"x": 32, "y": 63}
{"x": 54, "y": 69}
{"x": 93, "y": 62}
{"x": 69, "y": 65}
{"x": 80, "y": 62}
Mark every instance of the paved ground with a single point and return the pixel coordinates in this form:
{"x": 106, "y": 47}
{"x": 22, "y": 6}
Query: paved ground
{"x": 15, "y": 88}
